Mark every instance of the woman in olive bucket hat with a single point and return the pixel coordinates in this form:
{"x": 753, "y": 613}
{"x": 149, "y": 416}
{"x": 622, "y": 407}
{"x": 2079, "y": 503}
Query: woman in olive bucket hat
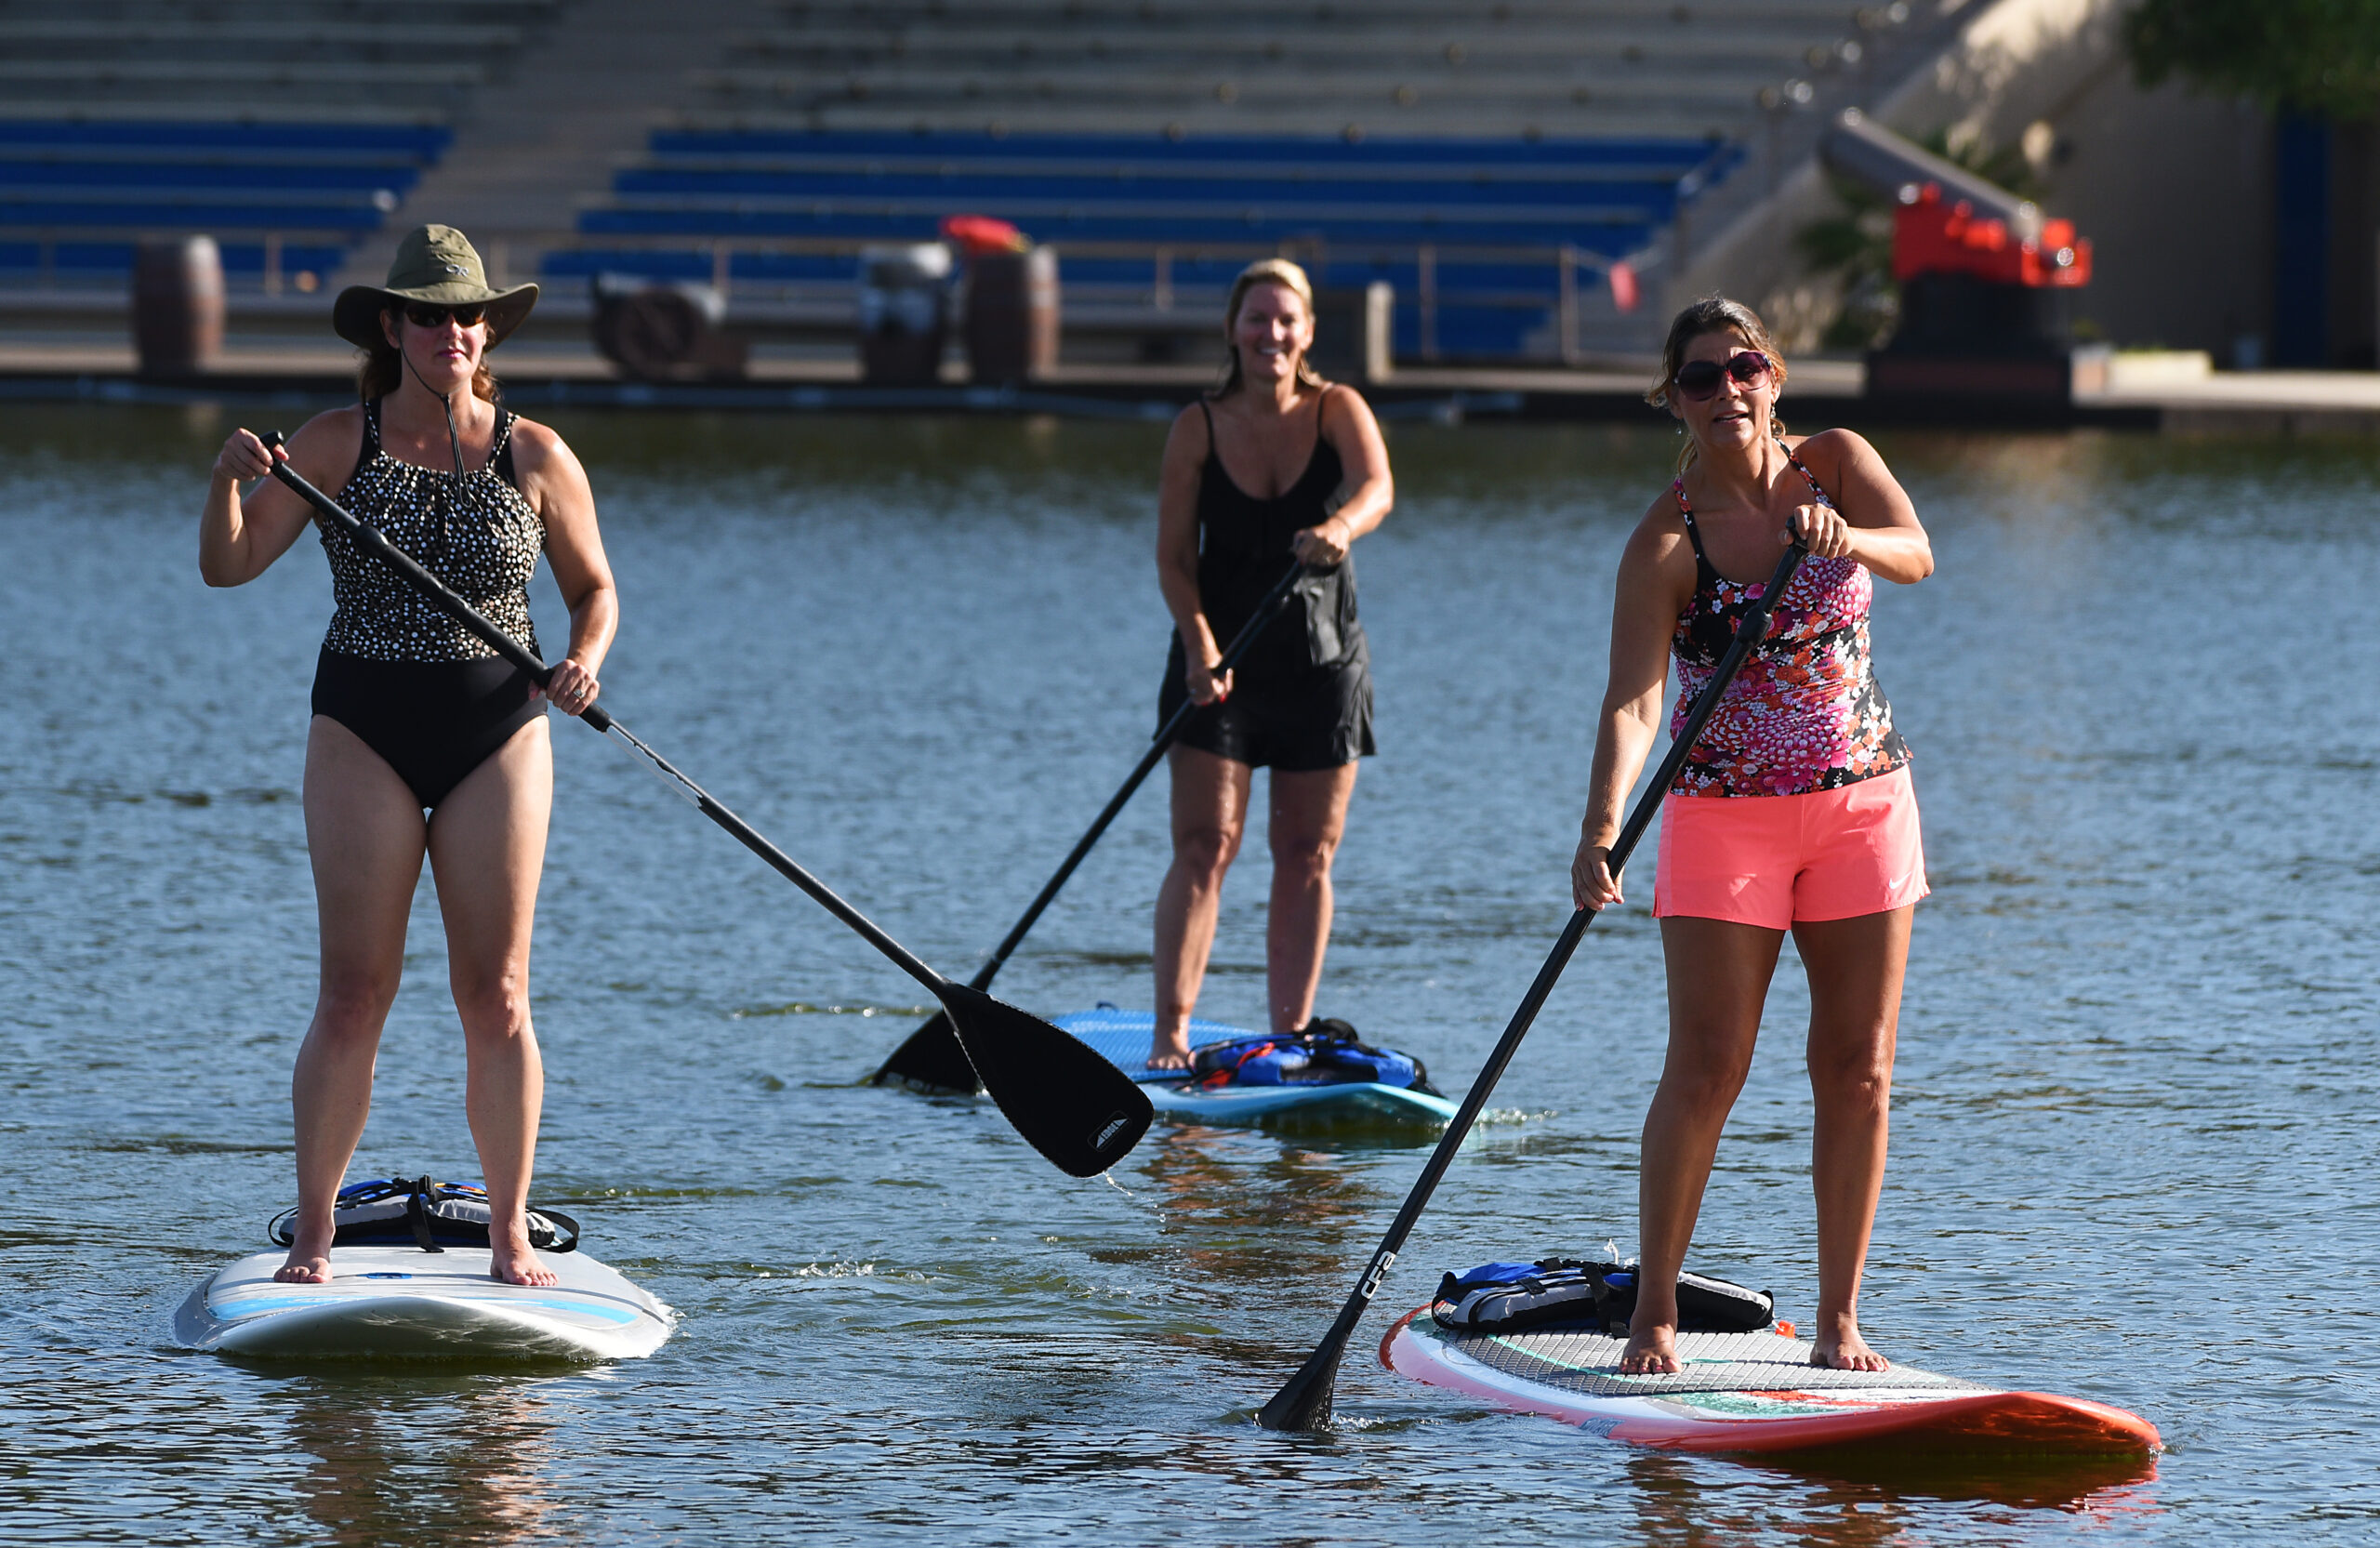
{"x": 413, "y": 715}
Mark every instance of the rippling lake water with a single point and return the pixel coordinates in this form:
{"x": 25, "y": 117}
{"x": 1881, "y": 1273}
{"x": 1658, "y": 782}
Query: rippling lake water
{"x": 2134, "y": 1136}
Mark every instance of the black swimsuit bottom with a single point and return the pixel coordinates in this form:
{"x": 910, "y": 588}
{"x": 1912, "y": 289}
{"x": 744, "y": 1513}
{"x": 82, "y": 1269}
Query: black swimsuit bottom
{"x": 433, "y": 722}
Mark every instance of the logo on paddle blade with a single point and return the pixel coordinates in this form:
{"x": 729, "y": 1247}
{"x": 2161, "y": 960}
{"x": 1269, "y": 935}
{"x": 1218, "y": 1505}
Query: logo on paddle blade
{"x": 1108, "y": 1131}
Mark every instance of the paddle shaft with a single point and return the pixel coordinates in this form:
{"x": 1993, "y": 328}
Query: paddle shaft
{"x": 1266, "y": 611}
{"x": 1304, "y": 1401}
{"x": 373, "y": 541}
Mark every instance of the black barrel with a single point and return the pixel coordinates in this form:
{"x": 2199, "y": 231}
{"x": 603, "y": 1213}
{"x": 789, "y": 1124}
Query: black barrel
{"x": 1013, "y": 315}
{"x": 904, "y": 313}
{"x": 1354, "y": 332}
{"x": 178, "y": 306}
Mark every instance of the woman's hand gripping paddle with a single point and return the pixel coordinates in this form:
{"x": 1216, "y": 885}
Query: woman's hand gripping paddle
{"x": 932, "y": 1060}
{"x": 1071, "y": 1105}
{"x": 1303, "y": 1402}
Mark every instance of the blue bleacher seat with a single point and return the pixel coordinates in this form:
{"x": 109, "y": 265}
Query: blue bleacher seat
{"x": 66, "y": 187}
{"x": 421, "y": 143}
{"x": 1491, "y": 213}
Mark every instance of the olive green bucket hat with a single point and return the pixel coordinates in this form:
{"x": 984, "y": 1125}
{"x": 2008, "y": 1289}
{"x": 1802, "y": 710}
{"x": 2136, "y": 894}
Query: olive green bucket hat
{"x": 439, "y": 265}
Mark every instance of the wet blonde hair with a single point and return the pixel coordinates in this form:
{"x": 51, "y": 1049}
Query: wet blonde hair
{"x": 1714, "y": 314}
{"x": 1271, "y": 271}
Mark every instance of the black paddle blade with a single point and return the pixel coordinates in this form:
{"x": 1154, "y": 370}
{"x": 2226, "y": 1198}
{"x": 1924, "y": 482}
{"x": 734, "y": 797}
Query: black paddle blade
{"x": 1303, "y": 1402}
{"x": 1069, "y": 1102}
{"x": 931, "y": 1063}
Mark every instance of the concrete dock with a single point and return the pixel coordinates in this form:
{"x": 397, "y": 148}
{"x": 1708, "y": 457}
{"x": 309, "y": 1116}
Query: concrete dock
{"x": 552, "y": 368}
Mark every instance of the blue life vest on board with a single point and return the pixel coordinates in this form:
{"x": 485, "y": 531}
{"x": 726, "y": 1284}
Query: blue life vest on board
{"x": 1328, "y": 1052}
{"x": 1507, "y": 1298}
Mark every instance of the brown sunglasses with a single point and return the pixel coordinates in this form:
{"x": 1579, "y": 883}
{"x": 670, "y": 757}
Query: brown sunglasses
{"x": 421, "y": 315}
{"x": 1699, "y": 379}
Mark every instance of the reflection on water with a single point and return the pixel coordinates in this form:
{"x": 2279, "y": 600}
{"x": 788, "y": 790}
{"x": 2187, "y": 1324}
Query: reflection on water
{"x": 2137, "y": 1050}
{"x": 398, "y": 1459}
{"x": 1231, "y": 1215}
{"x": 1849, "y": 1501}
{"x": 2108, "y": 1489}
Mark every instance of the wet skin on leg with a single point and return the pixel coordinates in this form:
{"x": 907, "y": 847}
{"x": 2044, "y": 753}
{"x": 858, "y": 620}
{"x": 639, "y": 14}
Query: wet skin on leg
{"x": 1719, "y": 974}
{"x": 1209, "y": 815}
{"x": 1307, "y": 816}
{"x": 1856, "y": 968}
{"x": 364, "y": 836}
{"x": 487, "y": 850}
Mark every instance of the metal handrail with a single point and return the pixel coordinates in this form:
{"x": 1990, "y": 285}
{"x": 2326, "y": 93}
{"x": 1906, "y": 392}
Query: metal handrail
{"x": 1574, "y": 272}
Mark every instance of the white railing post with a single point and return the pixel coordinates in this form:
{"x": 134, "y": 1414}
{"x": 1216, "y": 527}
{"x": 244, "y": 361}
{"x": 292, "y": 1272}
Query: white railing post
{"x": 1426, "y": 265}
{"x": 1567, "y": 264}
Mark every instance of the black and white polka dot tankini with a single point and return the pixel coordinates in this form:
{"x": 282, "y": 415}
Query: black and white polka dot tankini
{"x": 416, "y": 686}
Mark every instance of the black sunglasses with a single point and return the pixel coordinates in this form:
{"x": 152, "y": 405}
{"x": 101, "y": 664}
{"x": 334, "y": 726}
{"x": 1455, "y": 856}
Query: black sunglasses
{"x": 421, "y": 315}
{"x": 1699, "y": 379}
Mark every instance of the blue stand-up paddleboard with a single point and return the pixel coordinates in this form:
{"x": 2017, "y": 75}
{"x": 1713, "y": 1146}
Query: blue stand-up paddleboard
{"x": 409, "y": 1281}
{"x": 1123, "y": 1038}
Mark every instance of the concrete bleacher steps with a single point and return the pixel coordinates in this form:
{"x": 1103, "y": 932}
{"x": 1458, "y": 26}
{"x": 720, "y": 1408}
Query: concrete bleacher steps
{"x": 571, "y": 110}
{"x": 1489, "y": 160}
{"x": 1588, "y": 66}
{"x": 231, "y": 59}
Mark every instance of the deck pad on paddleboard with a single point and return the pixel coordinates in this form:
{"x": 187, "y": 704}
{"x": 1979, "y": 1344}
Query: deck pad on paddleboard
{"x": 399, "y": 1303}
{"x": 1751, "y": 1391}
{"x": 1570, "y": 1359}
{"x": 1122, "y": 1038}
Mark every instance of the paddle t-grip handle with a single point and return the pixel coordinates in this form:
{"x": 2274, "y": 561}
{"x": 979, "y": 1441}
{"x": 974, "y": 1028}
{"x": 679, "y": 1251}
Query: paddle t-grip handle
{"x": 442, "y": 595}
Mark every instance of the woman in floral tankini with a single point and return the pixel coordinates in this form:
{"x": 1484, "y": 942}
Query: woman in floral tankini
{"x": 1794, "y": 811}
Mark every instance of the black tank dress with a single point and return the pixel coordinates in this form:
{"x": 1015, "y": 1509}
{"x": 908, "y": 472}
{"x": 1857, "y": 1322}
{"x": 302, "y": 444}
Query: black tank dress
{"x": 1302, "y": 697}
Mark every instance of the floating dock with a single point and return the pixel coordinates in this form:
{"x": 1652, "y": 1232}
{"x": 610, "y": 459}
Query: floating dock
{"x": 539, "y": 374}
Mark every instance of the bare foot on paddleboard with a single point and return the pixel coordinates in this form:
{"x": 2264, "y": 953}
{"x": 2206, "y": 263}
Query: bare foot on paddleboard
{"x": 1165, "y": 1055}
{"x": 515, "y": 1264}
{"x": 1838, "y": 1346}
{"x": 310, "y": 1259}
{"x": 1650, "y": 1353}
{"x": 304, "y": 1268}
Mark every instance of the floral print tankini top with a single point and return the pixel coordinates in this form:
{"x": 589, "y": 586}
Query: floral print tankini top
{"x": 1804, "y": 712}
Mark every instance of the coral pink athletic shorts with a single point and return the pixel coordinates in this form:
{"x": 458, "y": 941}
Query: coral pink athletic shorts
{"x": 1775, "y": 860}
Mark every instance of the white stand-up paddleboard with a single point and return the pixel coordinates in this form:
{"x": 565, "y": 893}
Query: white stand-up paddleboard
{"x": 1753, "y": 1392}
{"x": 1122, "y": 1037}
{"x": 399, "y": 1303}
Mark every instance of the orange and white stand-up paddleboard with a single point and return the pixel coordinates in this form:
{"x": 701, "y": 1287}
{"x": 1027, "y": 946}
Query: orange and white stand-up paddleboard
{"x": 1753, "y": 1392}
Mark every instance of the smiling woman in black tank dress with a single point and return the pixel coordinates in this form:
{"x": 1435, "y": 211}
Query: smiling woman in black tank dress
{"x": 1276, "y": 467}
{"x": 412, "y": 714}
